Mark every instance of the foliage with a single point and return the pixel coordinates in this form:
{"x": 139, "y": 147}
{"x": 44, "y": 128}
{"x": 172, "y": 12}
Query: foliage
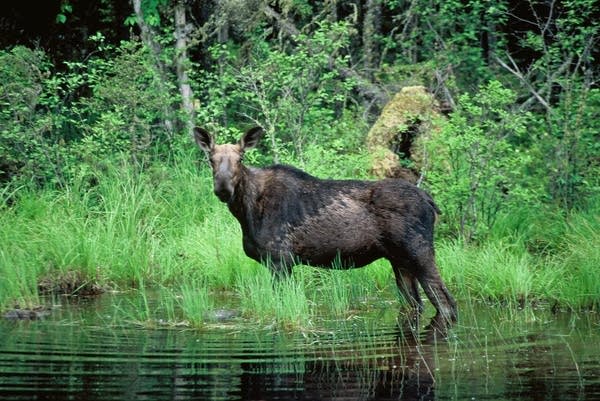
{"x": 60, "y": 126}
{"x": 571, "y": 139}
{"x": 65, "y": 9}
{"x": 448, "y": 34}
{"x": 126, "y": 111}
{"x": 93, "y": 151}
{"x": 28, "y": 143}
{"x": 165, "y": 229}
{"x": 559, "y": 83}
{"x": 294, "y": 95}
{"x": 478, "y": 168}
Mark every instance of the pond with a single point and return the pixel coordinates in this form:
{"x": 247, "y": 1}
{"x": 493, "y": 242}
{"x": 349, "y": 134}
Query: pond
{"x": 492, "y": 353}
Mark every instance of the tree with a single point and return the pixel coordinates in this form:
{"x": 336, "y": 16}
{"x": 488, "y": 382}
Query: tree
{"x": 477, "y": 169}
{"x": 146, "y": 19}
{"x": 559, "y": 81}
{"x": 182, "y": 30}
{"x": 371, "y": 36}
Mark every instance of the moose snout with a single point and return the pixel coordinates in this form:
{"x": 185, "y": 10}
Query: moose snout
{"x": 223, "y": 189}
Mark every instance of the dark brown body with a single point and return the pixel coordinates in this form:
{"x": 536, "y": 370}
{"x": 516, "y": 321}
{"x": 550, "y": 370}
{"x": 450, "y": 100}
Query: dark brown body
{"x": 290, "y": 217}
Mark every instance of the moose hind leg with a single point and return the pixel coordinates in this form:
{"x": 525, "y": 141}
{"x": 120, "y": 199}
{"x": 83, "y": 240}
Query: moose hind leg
{"x": 436, "y": 290}
{"x": 407, "y": 285}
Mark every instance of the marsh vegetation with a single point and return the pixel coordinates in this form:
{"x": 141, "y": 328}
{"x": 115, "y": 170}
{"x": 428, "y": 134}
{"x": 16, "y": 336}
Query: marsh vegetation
{"x": 164, "y": 231}
{"x": 123, "y": 276}
{"x": 111, "y": 237}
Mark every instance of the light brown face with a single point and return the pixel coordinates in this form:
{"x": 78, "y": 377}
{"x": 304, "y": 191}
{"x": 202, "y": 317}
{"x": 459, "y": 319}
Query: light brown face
{"x": 226, "y": 163}
{"x": 226, "y": 160}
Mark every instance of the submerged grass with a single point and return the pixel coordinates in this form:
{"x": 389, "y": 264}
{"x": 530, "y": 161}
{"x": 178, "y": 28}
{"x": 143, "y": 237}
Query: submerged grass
{"x": 195, "y": 302}
{"x": 165, "y": 229}
{"x": 281, "y": 303}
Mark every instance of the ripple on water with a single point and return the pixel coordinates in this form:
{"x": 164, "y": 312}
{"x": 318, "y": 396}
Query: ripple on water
{"x": 485, "y": 357}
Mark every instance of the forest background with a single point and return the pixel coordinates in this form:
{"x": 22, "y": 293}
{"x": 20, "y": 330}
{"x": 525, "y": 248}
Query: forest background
{"x": 101, "y": 185}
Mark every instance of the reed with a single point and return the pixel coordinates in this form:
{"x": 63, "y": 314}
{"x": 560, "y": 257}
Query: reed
{"x": 195, "y": 302}
{"x": 163, "y": 228}
{"x": 491, "y": 272}
{"x": 578, "y": 263}
{"x": 21, "y": 259}
{"x": 282, "y": 303}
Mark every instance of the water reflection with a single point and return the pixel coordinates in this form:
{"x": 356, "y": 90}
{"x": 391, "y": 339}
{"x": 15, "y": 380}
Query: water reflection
{"x": 379, "y": 358}
{"x": 52, "y": 361}
{"x": 396, "y": 365}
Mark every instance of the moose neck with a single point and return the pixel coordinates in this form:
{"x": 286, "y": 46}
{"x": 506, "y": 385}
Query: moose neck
{"x": 243, "y": 203}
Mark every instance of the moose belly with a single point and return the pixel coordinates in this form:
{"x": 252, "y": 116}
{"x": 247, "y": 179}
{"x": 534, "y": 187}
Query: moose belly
{"x": 337, "y": 258}
{"x": 338, "y": 237}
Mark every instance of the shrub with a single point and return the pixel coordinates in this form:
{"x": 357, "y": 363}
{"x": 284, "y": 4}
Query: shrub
{"x": 478, "y": 168}
{"x": 28, "y": 143}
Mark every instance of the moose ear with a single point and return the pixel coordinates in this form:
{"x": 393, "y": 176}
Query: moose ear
{"x": 251, "y": 137}
{"x": 204, "y": 139}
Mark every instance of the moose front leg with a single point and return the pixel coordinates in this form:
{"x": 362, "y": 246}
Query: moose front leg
{"x": 280, "y": 267}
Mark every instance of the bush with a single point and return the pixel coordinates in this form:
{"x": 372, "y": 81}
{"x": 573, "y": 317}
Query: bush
{"x": 28, "y": 142}
{"x": 570, "y": 149}
{"x": 296, "y": 96}
{"x": 126, "y": 108}
{"x": 478, "y": 168}
{"x": 61, "y": 126}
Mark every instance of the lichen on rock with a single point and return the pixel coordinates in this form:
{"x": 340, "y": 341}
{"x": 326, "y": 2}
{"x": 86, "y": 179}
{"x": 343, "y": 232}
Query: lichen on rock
{"x": 395, "y": 140}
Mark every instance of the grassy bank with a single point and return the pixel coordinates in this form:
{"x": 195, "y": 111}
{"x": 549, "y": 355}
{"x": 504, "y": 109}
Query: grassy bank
{"x": 164, "y": 231}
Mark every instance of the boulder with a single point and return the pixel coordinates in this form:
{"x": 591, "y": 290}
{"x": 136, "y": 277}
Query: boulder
{"x": 395, "y": 140}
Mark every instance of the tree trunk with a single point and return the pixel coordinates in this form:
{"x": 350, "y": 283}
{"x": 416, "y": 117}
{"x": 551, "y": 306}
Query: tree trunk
{"x": 222, "y": 38}
{"x": 371, "y": 31}
{"x": 148, "y": 38}
{"x": 181, "y": 61}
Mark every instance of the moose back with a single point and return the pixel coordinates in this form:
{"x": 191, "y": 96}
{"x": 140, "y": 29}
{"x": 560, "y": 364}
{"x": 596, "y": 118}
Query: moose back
{"x": 289, "y": 217}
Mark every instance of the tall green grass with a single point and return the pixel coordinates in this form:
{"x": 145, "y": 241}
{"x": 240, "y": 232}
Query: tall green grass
{"x": 532, "y": 256}
{"x": 579, "y": 263}
{"x": 163, "y": 228}
{"x": 492, "y": 272}
{"x": 283, "y": 303}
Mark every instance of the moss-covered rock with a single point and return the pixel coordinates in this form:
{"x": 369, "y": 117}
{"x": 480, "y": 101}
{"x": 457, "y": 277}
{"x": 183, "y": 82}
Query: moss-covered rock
{"x": 394, "y": 141}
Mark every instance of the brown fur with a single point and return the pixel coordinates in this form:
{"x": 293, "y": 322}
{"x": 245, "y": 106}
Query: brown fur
{"x": 289, "y": 217}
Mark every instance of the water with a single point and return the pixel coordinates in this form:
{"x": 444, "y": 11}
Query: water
{"x": 79, "y": 353}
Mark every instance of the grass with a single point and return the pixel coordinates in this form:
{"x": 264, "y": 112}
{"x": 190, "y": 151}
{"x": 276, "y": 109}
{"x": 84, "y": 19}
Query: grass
{"x": 493, "y": 272}
{"x": 284, "y": 303}
{"x": 165, "y": 229}
{"x": 578, "y": 263}
{"x": 195, "y": 302}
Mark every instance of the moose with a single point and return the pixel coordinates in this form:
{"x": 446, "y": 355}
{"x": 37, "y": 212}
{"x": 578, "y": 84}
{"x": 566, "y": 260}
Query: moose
{"x": 289, "y": 217}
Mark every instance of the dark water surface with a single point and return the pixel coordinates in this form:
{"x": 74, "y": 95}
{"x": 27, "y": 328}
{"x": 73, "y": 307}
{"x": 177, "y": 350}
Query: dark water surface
{"x": 491, "y": 354}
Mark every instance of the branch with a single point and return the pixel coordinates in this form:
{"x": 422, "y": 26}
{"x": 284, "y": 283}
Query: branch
{"x": 365, "y": 87}
{"x": 148, "y": 38}
{"x": 283, "y": 23}
{"x": 442, "y": 84}
{"x": 517, "y": 73}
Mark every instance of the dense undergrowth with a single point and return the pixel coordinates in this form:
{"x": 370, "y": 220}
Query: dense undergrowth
{"x": 101, "y": 188}
{"x": 163, "y": 232}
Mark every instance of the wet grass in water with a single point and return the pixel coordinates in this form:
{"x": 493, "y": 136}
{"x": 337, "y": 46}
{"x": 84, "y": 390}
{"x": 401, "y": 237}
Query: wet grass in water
{"x": 492, "y": 353}
{"x": 195, "y": 302}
